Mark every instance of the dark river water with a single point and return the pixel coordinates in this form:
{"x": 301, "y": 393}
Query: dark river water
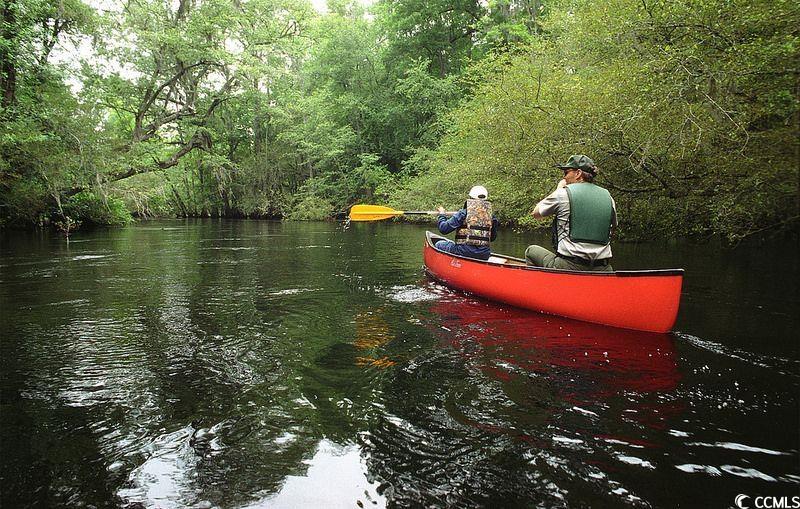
{"x": 242, "y": 364}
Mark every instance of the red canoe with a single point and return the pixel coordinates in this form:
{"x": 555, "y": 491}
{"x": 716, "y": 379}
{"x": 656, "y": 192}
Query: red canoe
{"x": 644, "y": 300}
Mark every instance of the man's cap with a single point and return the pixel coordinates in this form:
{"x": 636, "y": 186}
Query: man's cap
{"x": 579, "y": 162}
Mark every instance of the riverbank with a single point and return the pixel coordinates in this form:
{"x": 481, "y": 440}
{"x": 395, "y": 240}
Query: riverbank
{"x": 621, "y": 235}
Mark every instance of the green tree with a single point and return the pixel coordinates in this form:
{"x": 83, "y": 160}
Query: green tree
{"x": 47, "y": 141}
{"x": 690, "y": 109}
{"x": 439, "y": 31}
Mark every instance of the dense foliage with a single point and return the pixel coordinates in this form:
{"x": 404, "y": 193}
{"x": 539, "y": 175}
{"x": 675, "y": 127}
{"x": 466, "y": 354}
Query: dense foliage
{"x": 268, "y": 108}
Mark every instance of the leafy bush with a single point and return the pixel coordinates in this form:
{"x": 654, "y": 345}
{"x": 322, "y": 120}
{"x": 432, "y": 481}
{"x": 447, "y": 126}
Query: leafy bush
{"x": 92, "y": 208}
{"x": 311, "y": 208}
{"x": 26, "y": 202}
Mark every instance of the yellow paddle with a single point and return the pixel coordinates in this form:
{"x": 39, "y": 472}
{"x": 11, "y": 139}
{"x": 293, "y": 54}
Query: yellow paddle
{"x": 379, "y": 212}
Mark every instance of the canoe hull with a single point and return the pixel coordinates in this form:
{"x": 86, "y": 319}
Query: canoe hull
{"x": 639, "y": 300}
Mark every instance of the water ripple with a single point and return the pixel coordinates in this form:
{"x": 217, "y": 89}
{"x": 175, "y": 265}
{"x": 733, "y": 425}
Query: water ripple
{"x": 785, "y": 366}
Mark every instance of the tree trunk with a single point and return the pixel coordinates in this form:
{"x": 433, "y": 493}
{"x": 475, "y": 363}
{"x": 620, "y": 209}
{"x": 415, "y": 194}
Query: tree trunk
{"x": 8, "y": 69}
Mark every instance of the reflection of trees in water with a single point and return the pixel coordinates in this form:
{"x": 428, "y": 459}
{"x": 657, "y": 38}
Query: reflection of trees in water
{"x": 222, "y": 421}
{"x": 52, "y": 443}
{"x": 206, "y": 377}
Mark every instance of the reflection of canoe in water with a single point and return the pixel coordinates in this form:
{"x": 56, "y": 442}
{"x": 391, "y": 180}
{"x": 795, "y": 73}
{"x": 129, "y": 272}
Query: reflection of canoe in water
{"x": 642, "y": 300}
{"x": 617, "y": 359}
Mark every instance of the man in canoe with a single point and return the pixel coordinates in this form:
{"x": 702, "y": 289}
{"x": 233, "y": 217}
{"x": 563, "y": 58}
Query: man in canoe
{"x": 584, "y": 215}
{"x": 475, "y": 226}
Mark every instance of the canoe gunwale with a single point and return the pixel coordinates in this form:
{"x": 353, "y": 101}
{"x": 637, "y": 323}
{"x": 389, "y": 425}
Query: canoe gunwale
{"x": 431, "y": 237}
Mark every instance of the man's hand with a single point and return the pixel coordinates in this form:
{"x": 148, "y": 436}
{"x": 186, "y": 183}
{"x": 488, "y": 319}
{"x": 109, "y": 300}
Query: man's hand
{"x": 440, "y": 209}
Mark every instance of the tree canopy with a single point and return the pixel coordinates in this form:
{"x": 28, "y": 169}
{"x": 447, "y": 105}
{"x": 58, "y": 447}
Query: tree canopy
{"x": 269, "y": 108}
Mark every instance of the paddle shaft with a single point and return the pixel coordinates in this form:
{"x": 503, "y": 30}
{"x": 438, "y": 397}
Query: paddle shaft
{"x": 425, "y": 212}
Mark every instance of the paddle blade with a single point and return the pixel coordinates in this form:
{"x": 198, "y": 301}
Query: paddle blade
{"x": 372, "y": 213}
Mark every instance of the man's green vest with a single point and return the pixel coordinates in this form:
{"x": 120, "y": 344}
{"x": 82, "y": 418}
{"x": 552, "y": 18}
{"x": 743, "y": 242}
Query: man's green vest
{"x": 590, "y": 213}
